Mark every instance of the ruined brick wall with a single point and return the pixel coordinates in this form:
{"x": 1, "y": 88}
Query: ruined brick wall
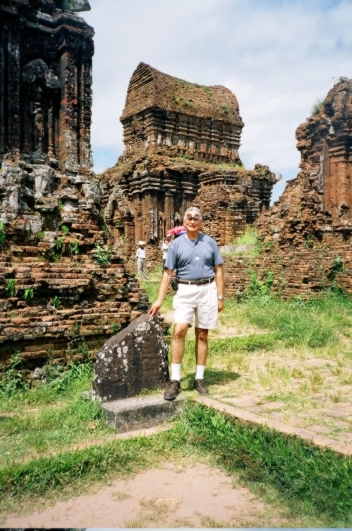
{"x": 325, "y": 144}
{"x": 311, "y": 226}
{"x": 75, "y": 306}
{"x": 45, "y": 75}
{"x": 54, "y": 295}
{"x": 302, "y": 271}
{"x": 181, "y": 148}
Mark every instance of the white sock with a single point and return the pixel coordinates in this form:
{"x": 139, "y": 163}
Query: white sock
{"x": 200, "y": 372}
{"x": 176, "y": 371}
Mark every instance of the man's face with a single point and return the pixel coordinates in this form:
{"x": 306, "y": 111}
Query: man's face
{"x": 193, "y": 222}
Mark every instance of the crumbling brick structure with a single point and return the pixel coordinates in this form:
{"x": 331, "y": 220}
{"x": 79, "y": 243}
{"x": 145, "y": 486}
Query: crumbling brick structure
{"x": 181, "y": 148}
{"x": 307, "y": 234}
{"x": 46, "y": 75}
{"x": 53, "y": 295}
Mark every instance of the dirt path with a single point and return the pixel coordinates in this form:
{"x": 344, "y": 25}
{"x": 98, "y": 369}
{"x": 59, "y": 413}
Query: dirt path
{"x": 173, "y": 496}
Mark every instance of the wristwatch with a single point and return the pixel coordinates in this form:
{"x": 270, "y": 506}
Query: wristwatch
{"x": 220, "y": 297}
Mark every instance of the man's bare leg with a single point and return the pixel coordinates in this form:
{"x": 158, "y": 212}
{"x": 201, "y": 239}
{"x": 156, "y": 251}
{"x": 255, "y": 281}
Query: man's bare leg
{"x": 201, "y": 359}
{"x": 177, "y": 351}
{"x": 178, "y": 342}
{"x": 201, "y": 345}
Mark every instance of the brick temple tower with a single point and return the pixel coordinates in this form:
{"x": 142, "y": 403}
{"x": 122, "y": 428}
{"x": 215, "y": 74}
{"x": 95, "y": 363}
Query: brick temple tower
{"x": 181, "y": 147}
{"x": 325, "y": 143}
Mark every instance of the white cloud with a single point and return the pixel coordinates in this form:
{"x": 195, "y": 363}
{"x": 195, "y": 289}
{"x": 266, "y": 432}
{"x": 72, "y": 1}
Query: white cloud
{"x": 276, "y": 56}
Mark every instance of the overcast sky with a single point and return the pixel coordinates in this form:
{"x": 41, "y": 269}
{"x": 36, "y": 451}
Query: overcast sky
{"x": 277, "y": 56}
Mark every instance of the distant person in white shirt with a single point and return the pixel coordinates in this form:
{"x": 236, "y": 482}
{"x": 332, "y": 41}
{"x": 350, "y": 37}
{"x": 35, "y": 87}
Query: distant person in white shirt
{"x": 165, "y": 247}
{"x": 141, "y": 265}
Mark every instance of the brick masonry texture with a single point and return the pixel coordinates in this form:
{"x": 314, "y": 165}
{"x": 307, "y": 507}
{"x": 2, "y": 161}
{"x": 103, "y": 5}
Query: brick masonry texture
{"x": 54, "y": 296}
{"x": 181, "y": 149}
{"x": 306, "y": 236}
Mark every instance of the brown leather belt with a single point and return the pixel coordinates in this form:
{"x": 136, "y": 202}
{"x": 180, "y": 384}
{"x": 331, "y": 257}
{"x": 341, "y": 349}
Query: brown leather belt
{"x": 196, "y": 282}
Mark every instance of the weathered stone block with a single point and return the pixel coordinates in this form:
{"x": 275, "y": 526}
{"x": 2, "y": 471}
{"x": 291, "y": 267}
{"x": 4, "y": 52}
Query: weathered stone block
{"x": 141, "y": 412}
{"x": 134, "y": 359}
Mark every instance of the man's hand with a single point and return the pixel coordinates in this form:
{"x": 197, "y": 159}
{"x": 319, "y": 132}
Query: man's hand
{"x": 220, "y": 305}
{"x": 164, "y": 284}
{"x": 154, "y": 309}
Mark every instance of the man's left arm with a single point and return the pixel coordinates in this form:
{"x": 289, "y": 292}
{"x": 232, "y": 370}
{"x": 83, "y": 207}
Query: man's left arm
{"x": 219, "y": 279}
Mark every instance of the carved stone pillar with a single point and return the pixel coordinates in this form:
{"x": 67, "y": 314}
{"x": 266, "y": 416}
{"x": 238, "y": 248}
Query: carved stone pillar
{"x": 85, "y": 109}
{"x": 25, "y": 133}
{"x": 129, "y": 236}
{"x": 68, "y": 154}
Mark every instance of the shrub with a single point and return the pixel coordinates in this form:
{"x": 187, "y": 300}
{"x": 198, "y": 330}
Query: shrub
{"x": 58, "y": 244}
{"x": 207, "y": 91}
{"x": 337, "y": 267}
{"x": 11, "y": 380}
{"x": 260, "y": 287}
{"x": 11, "y": 287}
{"x": 115, "y": 328}
{"x": 75, "y": 247}
{"x": 28, "y": 294}
{"x": 102, "y": 256}
{"x": 65, "y": 230}
{"x": 2, "y": 233}
{"x": 225, "y": 108}
{"x": 317, "y": 106}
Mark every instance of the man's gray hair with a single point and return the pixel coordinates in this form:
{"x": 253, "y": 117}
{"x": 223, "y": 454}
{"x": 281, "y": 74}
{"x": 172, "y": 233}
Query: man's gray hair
{"x": 192, "y": 209}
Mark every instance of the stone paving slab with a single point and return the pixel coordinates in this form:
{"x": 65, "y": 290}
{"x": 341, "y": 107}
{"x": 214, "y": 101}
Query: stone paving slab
{"x": 243, "y": 415}
{"x": 244, "y": 401}
{"x": 319, "y": 429}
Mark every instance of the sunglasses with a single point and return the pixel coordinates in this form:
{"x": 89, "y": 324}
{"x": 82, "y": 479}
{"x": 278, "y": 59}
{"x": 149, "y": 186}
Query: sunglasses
{"x": 193, "y": 218}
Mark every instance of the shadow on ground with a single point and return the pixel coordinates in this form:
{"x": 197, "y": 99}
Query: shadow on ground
{"x": 212, "y": 376}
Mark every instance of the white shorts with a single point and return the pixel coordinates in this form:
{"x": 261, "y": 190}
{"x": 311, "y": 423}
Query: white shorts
{"x": 199, "y": 300}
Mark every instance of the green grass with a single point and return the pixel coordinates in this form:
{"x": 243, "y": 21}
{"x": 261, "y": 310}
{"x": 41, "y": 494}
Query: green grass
{"x": 28, "y": 435}
{"x": 152, "y": 288}
{"x": 305, "y": 480}
{"x": 320, "y": 482}
{"x": 313, "y": 323}
{"x": 49, "y": 419}
{"x": 249, "y": 237}
{"x": 64, "y": 388}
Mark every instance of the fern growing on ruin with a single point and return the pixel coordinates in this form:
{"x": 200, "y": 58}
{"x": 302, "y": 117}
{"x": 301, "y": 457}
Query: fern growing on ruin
{"x": 317, "y": 106}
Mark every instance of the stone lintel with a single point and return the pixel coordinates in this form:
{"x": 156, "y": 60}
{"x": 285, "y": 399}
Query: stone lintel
{"x": 141, "y": 412}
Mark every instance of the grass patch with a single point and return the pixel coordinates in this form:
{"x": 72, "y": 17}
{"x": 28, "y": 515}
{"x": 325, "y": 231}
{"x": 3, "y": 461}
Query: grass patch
{"x": 314, "y": 323}
{"x": 65, "y": 387}
{"x": 152, "y": 288}
{"x": 49, "y": 430}
{"x": 310, "y": 481}
{"x": 320, "y": 482}
{"x": 249, "y": 237}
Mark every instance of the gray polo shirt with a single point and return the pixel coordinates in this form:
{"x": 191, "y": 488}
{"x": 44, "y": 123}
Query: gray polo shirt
{"x": 193, "y": 260}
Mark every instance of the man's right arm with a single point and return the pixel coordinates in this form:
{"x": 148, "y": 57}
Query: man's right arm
{"x": 164, "y": 284}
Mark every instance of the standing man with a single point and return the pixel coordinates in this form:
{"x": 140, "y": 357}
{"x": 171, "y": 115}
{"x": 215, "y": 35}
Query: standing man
{"x": 199, "y": 272}
{"x": 141, "y": 265}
